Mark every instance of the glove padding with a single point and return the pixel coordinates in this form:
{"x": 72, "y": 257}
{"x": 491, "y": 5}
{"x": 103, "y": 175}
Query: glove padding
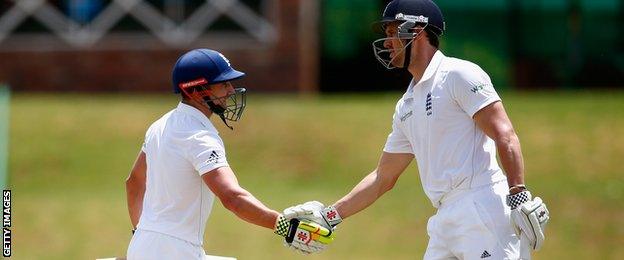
{"x": 528, "y": 217}
{"x": 316, "y": 212}
{"x": 303, "y": 236}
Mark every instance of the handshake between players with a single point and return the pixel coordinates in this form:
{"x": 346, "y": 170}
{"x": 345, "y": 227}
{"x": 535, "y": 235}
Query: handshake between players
{"x": 309, "y": 227}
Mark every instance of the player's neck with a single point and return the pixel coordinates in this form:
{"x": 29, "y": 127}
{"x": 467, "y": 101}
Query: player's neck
{"x": 420, "y": 60}
{"x": 202, "y": 108}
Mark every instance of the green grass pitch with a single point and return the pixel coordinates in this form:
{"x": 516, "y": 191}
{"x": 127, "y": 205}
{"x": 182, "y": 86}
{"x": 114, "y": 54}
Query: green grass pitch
{"x": 70, "y": 154}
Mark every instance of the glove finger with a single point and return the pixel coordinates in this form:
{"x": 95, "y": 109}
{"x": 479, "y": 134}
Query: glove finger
{"x": 315, "y": 244}
{"x": 296, "y": 212}
{"x": 307, "y": 233}
{"x": 322, "y": 239}
{"x": 289, "y": 214}
{"x": 519, "y": 219}
{"x": 523, "y": 223}
{"x": 312, "y": 246}
{"x": 314, "y": 205}
{"x": 302, "y": 248}
{"x": 535, "y": 218}
{"x": 513, "y": 218}
{"x": 296, "y": 249}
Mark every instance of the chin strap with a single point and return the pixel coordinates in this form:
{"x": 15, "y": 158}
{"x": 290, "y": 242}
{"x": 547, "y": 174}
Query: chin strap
{"x": 408, "y": 47}
{"x": 408, "y": 54}
{"x": 225, "y": 121}
{"x": 218, "y": 110}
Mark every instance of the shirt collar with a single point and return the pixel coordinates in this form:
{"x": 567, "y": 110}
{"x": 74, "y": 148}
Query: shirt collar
{"x": 431, "y": 69}
{"x": 195, "y": 113}
{"x": 433, "y": 66}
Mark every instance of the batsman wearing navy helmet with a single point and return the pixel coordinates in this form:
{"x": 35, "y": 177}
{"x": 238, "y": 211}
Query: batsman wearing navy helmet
{"x": 452, "y": 121}
{"x": 182, "y": 166}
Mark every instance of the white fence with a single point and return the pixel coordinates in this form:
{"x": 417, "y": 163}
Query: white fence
{"x": 166, "y": 25}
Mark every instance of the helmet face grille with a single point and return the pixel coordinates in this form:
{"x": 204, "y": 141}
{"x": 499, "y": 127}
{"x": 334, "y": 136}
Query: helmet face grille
{"x": 387, "y": 56}
{"x": 412, "y": 14}
{"x": 235, "y": 104}
{"x": 229, "y": 107}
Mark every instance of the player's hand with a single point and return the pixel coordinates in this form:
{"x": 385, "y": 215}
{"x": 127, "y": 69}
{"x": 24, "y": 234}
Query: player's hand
{"x": 316, "y": 212}
{"x": 528, "y": 217}
{"x": 304, "y": 236}
{"x": 310, "y": 211}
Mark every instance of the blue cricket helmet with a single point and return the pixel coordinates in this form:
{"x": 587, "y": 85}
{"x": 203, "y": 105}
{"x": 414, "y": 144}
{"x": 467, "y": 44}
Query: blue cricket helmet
{"x": 421, "y": 10}
{"x": 203, "y": 65}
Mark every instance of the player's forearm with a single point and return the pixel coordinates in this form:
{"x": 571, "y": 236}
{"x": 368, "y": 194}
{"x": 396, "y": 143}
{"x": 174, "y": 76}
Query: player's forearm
{"x": 510, "y": 155}
{"x": 135, "y": 193}
{"x": 250, "y": 209}
{"x": 363, "y": 194}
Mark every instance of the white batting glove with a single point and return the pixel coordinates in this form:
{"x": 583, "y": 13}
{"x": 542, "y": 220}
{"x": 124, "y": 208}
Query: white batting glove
{"x": 303, "y": 243}
{"x": 528, "y": 217}
{"x": 310, "y": 210}
{"x": 316, "y": 212}
{"x": 331, "y": 216}
{"x": 303, "y": 236}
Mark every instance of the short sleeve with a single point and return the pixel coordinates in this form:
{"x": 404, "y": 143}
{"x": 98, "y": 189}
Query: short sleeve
{"x": 472, "y": 89}
{"x": 397, "y": 141}
{"x": 206, "y": 152}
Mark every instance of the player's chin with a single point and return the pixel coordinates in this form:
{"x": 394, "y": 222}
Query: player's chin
{"x": 397, "y": 63}
{"x": 220, "y": 102}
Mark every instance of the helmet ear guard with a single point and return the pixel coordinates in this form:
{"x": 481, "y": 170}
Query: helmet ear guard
{"x": 410, "y": 23}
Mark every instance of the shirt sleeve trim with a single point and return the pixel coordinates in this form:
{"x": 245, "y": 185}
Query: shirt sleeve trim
{"x": 389, "y": 150}
{"x": 205, "y": 169}
{"x": 472, "y": 111}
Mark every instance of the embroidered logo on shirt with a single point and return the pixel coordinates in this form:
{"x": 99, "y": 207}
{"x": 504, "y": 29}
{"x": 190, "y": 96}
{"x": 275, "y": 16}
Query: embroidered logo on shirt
{"x": 213, "y": 157}
{"x": 477, "y": 88}
{"x": 485, "y": 254}
{"x": 408, "y": 114}
{"x": 428, "y": 105}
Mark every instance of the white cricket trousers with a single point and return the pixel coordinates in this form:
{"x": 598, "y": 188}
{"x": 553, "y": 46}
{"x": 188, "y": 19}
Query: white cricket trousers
{"x": 149, "y": 245}
{"x": 473, "y": 224}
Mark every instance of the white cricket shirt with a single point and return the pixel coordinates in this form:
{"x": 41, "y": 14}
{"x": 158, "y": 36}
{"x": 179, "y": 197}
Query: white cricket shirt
{"x": 180, "y": 147}
{"x": 433, "y": 120}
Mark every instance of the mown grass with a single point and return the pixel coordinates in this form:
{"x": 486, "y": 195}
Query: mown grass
{"x": 70, "y": 154}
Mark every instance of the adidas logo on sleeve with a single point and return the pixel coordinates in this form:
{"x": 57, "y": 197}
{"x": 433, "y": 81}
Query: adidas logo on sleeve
{"x": 213, "y": 158}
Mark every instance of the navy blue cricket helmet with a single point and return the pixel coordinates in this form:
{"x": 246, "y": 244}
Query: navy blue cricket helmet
{"x": 424, "y": 11}
{"x": 206, "y": 64}
{"x": 411, "y": 14}
{"x": 196, "y": 70}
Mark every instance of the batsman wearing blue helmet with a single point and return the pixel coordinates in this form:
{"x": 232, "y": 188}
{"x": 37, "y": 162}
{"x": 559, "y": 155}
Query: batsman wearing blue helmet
{"x": 452, "y": 121}
{"x": 182, "y": 166}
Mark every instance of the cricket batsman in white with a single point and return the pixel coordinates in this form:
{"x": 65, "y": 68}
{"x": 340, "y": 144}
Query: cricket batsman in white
{"x": 453, "y": 122}
{"x": 182, "y": 165}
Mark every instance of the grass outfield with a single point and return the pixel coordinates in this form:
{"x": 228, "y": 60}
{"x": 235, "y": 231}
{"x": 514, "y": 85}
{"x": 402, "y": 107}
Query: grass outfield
{"x": 70, "y": 154}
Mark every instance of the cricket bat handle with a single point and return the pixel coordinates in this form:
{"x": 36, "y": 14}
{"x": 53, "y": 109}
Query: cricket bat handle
{"x": 525, "y": 248}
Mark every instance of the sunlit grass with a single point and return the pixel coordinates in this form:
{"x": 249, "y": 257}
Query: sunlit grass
{"x": 71, "y": 153}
